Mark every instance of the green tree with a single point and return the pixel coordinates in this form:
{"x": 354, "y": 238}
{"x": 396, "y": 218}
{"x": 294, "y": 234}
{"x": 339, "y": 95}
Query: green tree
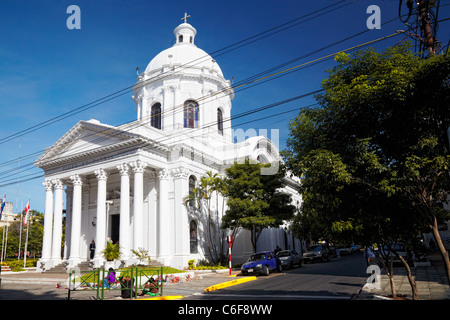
{"x": 35, "y": 235}
{"x": 209, "y": 189}
{"x": 254, "y": 200}
{"x": 382, "y": 125}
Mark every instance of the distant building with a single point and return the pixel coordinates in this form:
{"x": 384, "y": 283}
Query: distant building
{"x": 7, "y": 215}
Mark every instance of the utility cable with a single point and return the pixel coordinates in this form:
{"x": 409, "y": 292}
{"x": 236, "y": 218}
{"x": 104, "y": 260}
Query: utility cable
{"x": 127, "y": 89}
{"x": 140, "y": 122}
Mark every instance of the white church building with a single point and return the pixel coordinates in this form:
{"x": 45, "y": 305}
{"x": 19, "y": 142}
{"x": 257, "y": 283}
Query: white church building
{"x": 128, "y": 183}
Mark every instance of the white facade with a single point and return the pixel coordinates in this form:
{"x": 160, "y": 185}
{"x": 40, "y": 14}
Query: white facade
{"x": 7, "y": 217}
{"x": 128, "y": 182}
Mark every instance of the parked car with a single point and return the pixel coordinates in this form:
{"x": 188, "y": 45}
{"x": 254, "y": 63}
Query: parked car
{"x": 316, "y": 252}
{"x": 402, "y": 251}
{"x": 355, "y": 248}
{"x": 289, "y": 258}
{"x": 343, "y": 250}
{"x": 262, "y": 263}
{"x": 332, "y": 251}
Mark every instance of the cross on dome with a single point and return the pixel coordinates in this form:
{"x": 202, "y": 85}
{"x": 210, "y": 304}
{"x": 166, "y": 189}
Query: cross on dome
{"x": 185, "y": 33}
{"x": 185, "y": 17}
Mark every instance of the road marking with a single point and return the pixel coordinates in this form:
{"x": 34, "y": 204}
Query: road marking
{"x": 229, "y": 283}
{"x": 268, "y": 296}
{"x": 163, "y": 298}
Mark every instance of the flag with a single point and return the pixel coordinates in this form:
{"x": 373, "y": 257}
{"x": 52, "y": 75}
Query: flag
{"x": 3, "y": 206}
{"x": 27, "y": 208}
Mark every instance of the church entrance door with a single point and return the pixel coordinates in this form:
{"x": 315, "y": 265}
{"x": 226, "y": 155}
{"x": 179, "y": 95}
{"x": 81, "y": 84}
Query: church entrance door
{"x": 115, "y": 227}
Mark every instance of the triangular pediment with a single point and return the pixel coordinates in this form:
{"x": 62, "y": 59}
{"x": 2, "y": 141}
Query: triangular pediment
{"x": 86, "y": 139}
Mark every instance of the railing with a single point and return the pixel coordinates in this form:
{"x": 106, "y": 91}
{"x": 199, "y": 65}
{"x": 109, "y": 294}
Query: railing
{"x": 131, "y": 282}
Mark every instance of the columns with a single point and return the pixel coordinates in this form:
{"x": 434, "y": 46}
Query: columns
{"x": 74, "y": 257}
{"x": 100, "y": 237}
{"x": 48, "y": 221}
{"x": 57, "y": 221}
{"x": 124, "y": 231}
{"x": 181, "y": 224}
{"x": 152, "y": 215}
{"x": 164, "y": 221}
{"x": 138, "y": 203}
{"x": 129, "y": 239}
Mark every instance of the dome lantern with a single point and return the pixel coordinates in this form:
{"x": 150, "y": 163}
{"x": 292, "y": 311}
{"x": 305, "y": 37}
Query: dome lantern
{"x": 185, "y": 33}
{"x": 183, "y": 88}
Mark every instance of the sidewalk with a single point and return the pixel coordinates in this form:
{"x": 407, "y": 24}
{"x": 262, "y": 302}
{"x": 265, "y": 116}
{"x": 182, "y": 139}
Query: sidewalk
{"x": 33, "y": 285}
{"x": 431, "y": 283}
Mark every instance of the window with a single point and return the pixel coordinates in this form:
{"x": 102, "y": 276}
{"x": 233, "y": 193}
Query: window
{"x": 180, "y": 38}
{"x": 156, "y": 116}
{"x": 192, "y": 182}
{"x": 193, "y": 236}
{"x": 220, "y": 121}
{"x": 191, "y": 115}
{"x": 262, "y": 159}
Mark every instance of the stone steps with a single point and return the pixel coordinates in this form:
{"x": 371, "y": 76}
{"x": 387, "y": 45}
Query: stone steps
{"x": 60, "y": 268}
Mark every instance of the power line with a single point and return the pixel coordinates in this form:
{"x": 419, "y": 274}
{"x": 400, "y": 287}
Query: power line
{"x": 126, "y": 90}
{"x": 266, "y": 78}
{"x": 41, "y": 175}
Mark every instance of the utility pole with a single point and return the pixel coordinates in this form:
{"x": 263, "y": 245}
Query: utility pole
{"x": 428, "y": 39}
{"x": 427, "y": 20}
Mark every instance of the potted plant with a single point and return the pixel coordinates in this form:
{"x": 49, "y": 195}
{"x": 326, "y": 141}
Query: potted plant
{"x": 111, "y": 253}
{"x": 142, "y": 256}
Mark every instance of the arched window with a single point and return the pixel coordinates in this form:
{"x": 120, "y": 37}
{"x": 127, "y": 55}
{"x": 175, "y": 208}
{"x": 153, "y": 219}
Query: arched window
{"x": 156, "y": 116}
{"x": 192, "y": 182}
{"x": 261, "y": 159}
{"x": 191, "y": 115}
{"x": 220, "y": 121}
{"x": 193, "y": 236}
{"x": 180, "y": 38}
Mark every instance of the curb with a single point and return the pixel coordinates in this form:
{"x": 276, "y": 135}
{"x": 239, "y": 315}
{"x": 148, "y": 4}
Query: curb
{"x": 164, "y": 298}
{"x": 229, "y": 283}
{"x": 208, "y": 289}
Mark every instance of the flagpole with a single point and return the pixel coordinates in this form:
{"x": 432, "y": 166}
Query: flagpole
{"x": 1, "y": 216}
{"x": 3, "y": 240}
{"x": 20, "y": 232}
{"x": 25, "y": 250}
{"x": 6, "y": 238}
{"x": 27, "y": 214}
{"x": 17, "y": 197}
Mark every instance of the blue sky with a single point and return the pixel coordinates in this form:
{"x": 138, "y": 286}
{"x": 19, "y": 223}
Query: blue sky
{"x": 47, "y": 70}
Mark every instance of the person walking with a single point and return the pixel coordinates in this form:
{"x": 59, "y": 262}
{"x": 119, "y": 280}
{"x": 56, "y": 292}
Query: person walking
{"x": 92, "y": 249}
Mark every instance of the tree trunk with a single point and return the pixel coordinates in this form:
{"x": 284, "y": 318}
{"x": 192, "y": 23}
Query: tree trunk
{"x": 442, "y": 250}
{"x": 253, "y": 239}
{"x": 386, "y": 262}
{"x": 412, "y": 282}
{"x": 391, "y": 282}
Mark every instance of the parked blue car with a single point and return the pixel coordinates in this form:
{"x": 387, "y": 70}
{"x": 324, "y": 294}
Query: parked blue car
{"x": 262, "y": 263}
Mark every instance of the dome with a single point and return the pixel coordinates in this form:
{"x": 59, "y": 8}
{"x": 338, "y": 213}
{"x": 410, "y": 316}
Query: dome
{"x": 184, "y": 53}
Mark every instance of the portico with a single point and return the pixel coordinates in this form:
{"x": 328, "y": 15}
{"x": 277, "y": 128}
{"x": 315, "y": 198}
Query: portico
{"x": 136, "y": 192}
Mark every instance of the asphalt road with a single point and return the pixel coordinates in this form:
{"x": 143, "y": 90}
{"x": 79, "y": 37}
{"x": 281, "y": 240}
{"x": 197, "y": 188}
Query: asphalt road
{"x": 336, "y": 279}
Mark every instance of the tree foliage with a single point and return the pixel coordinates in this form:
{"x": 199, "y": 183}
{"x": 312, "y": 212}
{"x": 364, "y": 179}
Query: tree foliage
{"x": 35, "y": 234}
{"x": 255, "y": 201}
{"x": 374, "y": 157}
{"x": 210, "y": 187}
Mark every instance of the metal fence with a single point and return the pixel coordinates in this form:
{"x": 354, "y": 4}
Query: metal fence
{"x": 131, "y": 282}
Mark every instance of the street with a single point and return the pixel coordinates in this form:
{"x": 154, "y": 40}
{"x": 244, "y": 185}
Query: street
{"x": 335, "y": 279}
